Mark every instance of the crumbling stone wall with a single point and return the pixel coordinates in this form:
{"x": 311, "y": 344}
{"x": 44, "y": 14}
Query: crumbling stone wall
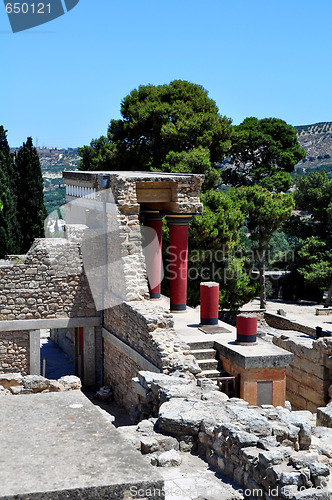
{"x": 281, "y": 323}
{"x": 309, "y": 375}
{"x": 267, "y": 450}
{"x": 50, "y": 283}
{"x": 148, "y": 329}
{"x": 15, "y": 352}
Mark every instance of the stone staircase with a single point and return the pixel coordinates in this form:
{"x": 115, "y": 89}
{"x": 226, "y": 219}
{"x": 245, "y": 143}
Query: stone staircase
{"x": 206, "y": 357}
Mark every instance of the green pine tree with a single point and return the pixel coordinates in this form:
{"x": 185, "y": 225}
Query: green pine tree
{"x": 31, "y": 208}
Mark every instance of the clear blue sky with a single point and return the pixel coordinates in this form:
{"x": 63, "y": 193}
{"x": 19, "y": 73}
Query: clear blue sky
{"x": 62, "y": 82}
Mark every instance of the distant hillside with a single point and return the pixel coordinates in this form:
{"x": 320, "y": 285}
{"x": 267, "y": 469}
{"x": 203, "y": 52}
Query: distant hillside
{"x": 53, "y": 162}
{"x": 316, "y": 139}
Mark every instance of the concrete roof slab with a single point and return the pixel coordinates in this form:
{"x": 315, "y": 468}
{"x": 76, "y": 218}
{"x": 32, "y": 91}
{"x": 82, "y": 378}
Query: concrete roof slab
{"x": 59, "y": 446}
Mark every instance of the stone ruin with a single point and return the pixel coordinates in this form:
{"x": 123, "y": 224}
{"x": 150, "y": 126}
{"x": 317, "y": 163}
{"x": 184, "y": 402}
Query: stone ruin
{"x": 134, "y": 346}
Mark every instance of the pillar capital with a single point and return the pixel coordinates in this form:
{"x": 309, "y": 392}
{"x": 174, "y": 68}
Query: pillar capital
{"x": 152, "y": 215}
{"x": 178, "y": 219}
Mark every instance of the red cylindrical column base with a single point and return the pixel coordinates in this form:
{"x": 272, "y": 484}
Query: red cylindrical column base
{"x": 246, "y": 326}
{"x": 209, "y": 293}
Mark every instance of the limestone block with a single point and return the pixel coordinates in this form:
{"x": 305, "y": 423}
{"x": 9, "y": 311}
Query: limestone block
{"x": 274, "y": 457}
{"x": 169, "y": 459}
{"x": 70, "y": 382}
{"x": 149, "y": 445}
{"x": 36, "y": 383}
{"x": 8, "y": 380}
{"x": 324, "y": 416}
{"x": 146, "y": 427}
{"x": 4, "y": 392}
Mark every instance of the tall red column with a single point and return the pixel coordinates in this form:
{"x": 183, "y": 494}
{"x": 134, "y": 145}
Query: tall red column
{"x": 152, "y": 251}
{"x": 178, "y": 229}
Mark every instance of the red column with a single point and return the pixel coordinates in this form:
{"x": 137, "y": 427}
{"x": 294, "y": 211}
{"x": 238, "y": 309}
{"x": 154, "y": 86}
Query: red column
{"x": 152, "y": 251}
{"x": 246, "y": 327}
{"x": 178, "y": 229}
{"x": 209, "y": 292}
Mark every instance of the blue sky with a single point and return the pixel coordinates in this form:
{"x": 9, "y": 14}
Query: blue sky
{"x": 63, "y": 81}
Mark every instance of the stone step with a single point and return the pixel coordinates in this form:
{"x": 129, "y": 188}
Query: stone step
{"x": 210, "y": 374}
{"x": 201, "y": 344}
{"x": 208, "y": 364}
{"x": 204, "y": 353}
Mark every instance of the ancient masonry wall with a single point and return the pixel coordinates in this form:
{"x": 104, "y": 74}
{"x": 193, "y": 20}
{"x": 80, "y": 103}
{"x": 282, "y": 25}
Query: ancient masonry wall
{"x": 267, "y": 450}
{"x": 309, "y": 375}
{"x": 137, "y": 322}
{"x": 281, "y": 323}
{"x": 48, "y": 284}
{"x": 148, "y": 330}
{"x": 15, "y": 352}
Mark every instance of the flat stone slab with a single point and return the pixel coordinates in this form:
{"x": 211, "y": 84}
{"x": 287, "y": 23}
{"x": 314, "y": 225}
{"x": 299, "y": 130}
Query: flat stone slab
{"x": 213, "y": 329}
{"x": 261, "y": 355}
{"x": 58, "y": 446}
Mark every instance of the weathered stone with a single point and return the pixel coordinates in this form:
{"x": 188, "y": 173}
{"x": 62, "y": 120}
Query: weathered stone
{"x": 146, "y": 427}
{"x": 303, "y": 458}
{"x": 149, "y": 445}
{"x": 36, "y": 383}
{"x": 324, "y": 416}
{"x": 3, "y": 391}
{"x": 169, "y": 459}
{"x": 70, "y": 382}
{"x": 291, "y": 478}
{"x": 243, "y": 439}
{"x": 312, "y": 494}
{"x": 273, "y": 457}
{"x": 318, "y": 469}
{"x": 8, "y": 380}
{"x": 55, "y": 386}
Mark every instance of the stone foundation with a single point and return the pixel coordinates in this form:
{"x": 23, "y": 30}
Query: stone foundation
{"x": 15, "y": 352}
{"x": 309, "y": 375}
{"x": 271, "y": 452}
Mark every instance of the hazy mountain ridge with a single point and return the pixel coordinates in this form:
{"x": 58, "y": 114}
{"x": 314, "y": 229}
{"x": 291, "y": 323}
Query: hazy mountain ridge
{"x": 316, "y": 139}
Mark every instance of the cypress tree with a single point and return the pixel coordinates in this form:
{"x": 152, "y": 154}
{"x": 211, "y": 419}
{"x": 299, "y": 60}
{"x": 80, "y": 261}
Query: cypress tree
{"x": 9, "y": 230}
{"x": 31, "y": 208}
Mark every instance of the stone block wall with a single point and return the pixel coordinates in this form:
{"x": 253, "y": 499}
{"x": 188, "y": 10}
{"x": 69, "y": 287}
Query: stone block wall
{"x": 50, "y": 283}
{"x": 148, "y": 330}
{"x": 267, "y": 450}
{"x": 282, "y": 323}
{"x": 309, "y": 375}
{"x": 15, "y": 352}
{"x": 119, "y": 370}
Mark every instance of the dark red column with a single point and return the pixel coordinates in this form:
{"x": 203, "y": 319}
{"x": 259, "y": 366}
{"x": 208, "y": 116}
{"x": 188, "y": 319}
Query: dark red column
{"x": 209, "y": 292}
{"x": 246, "y": 326}
{"x": 152, "y": 251}
{"x": 178, "y": 229}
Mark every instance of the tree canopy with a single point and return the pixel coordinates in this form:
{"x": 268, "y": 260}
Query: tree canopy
{"x": 263, "y": 152}
{"x": 265, "y": 212}
{"x": 314, "y": 196}
{"x": 174, "y": 127}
